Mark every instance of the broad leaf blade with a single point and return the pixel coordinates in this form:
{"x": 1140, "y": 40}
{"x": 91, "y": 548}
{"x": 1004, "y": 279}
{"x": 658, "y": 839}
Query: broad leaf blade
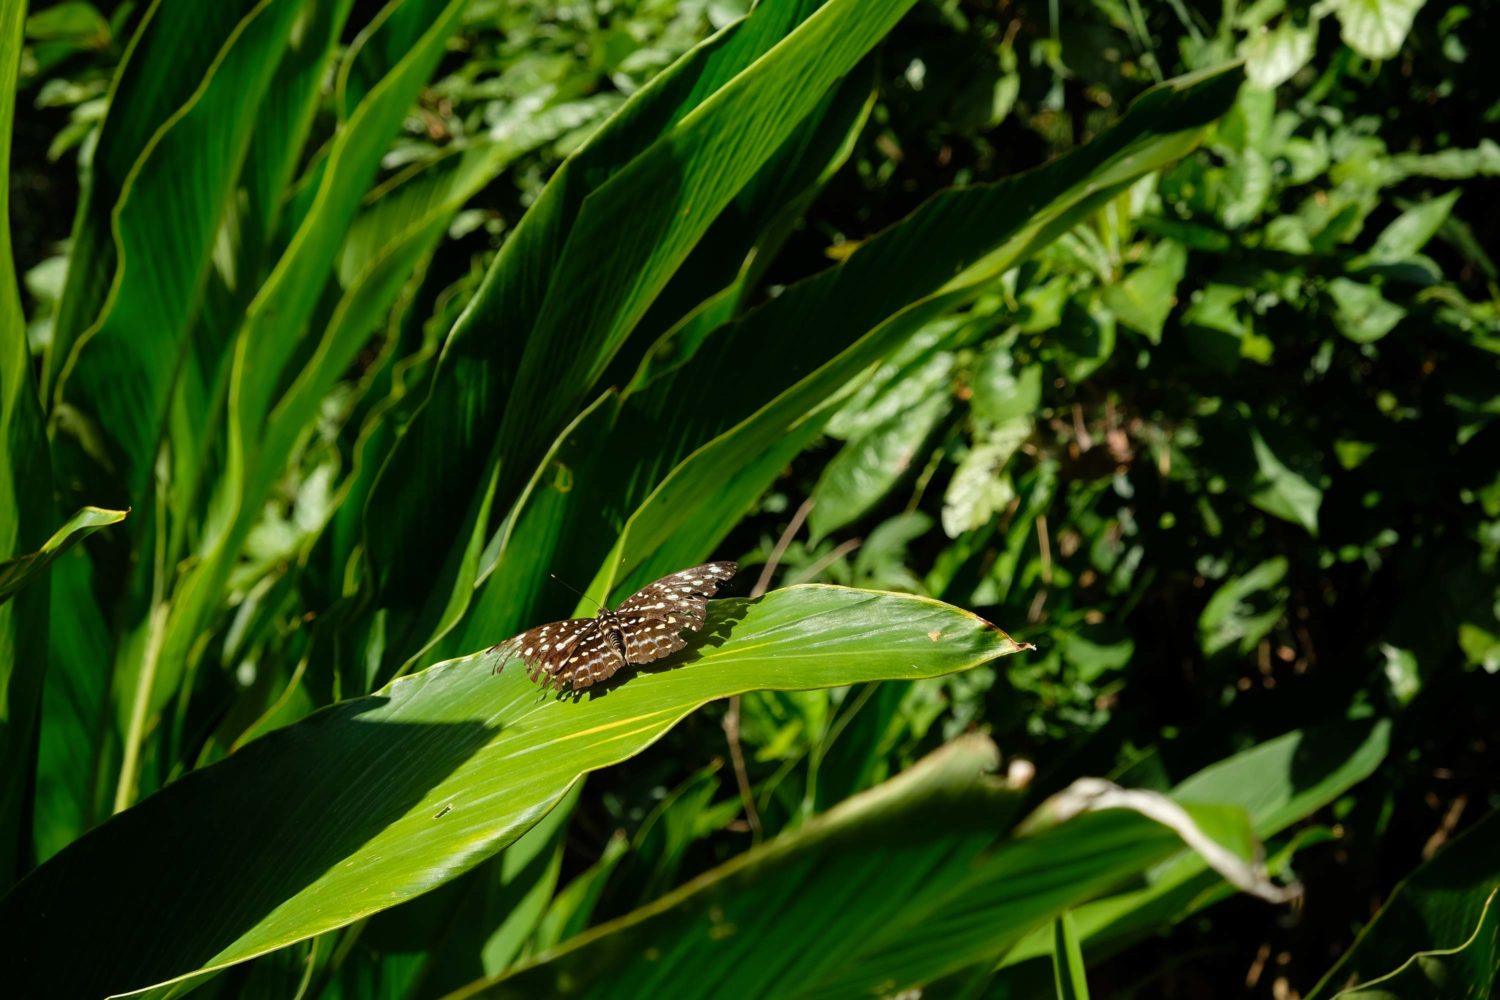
{"x": 376, "y": 800}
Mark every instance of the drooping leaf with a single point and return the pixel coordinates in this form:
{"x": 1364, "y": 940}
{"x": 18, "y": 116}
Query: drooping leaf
{"x": 1277, "y": 783}
{"x": 22, "y": 570}
{"x": 890, "y": 890}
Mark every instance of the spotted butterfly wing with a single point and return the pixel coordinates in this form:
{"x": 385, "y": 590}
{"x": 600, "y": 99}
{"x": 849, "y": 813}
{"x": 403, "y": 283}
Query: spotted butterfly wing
{"x": 683, "y": 595}
{"x": 581, "y": 652}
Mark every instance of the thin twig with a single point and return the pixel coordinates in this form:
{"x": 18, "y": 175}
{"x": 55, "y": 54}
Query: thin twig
{"x": 762, "y": 584}
{"x": 812, "y": 571}
{"x": 737, "y": 756}
{"x": 732, "y": 716}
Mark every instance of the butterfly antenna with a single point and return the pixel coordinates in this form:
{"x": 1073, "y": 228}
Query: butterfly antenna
{"x": 575, "y": 590}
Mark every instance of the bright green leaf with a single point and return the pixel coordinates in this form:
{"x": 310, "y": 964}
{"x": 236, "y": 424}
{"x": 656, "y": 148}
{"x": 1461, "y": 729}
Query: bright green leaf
{"x": 1275, "y": 56}
{"x": 376, "y": 800}
{"x": 1363, "y": 314}
{"x": 1376, "y": 28}
{"x": 18, "y": 572}
{"x": 980, "y": 489}
{"x": 1283, "y": 491}
{"x": 1145, "y": 297}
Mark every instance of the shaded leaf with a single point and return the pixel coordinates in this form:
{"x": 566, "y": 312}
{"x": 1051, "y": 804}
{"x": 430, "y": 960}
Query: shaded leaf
{"x": 26, "y": 512}
{"x": 1244, "y": 609}
{"x": 1284, "y": 492}
{"x": 1446, "y": 904}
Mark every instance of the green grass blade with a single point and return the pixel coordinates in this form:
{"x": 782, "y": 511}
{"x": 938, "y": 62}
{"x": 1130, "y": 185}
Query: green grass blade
{"x": 376, "y": 800}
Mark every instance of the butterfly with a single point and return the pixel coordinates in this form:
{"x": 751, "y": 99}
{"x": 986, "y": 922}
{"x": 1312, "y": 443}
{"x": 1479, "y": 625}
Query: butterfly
{"x": 581, "y": 652}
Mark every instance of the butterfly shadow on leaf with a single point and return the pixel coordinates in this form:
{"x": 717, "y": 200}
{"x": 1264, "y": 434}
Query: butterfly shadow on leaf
{"x": 723, "y": 616}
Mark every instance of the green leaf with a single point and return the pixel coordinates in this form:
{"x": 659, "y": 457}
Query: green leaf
{"x": 1363, "y": 314}
{"x": 1145, "y": 297}
{"x": 906, "y": 883}
{"x": 1446, "y": 912}
{"x": 869, "y": 467}
{"x": 376, "y": 800}
{"x": 1000, "y": 394}
{"x": 171, "y": 203}
{"x": 72, "y": 20}
{"x": 1410, "y": 231}
{"x": 980, "y": 489}
{"x": 1281, "y": 490}
{"x": 266, "y": 423}
{"x": 1274, "y": 57}
{"x": 1244, "y": 609}
{"x": 860, "y": 310}
{"x": 75, "y": 699}
{"x": 663, "y": 169}
{"x": 1462, "y": 973}
{"x": 1376, "y": 28}
{"x": 18, "y": 572}
{"x": 472, "y": 926}
{"x": 1277, "y": 783}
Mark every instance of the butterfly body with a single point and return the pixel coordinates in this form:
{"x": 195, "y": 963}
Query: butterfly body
{"x": 581, "y": 652}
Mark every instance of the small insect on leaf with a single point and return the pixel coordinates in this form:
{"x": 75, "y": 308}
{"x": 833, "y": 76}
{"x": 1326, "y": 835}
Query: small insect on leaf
{"x": 581, "y": 652}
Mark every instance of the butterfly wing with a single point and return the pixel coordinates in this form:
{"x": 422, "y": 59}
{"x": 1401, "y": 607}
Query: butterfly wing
{"x": 581, "y": 652}
{"x": 593, "y": 659}
{"x": 648, "y": 639}
{"x": 546, "y": 648}
{"x": 681, "y": 597}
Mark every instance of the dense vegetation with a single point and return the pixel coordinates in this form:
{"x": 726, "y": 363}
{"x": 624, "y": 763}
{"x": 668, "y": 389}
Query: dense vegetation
{"x": 1164, "y": 337}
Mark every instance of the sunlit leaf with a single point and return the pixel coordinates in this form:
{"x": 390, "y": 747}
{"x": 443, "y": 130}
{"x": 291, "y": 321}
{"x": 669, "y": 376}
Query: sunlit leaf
{"x": 376, "y": 800}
